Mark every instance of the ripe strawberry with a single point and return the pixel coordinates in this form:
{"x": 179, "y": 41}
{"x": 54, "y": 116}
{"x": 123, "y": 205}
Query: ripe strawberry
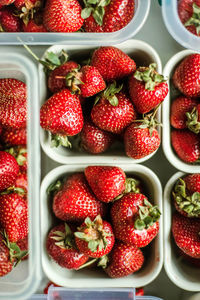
{"x": 186, "y": 234}
{"x": 188, "y": 11}
{"x": 50, "y": 283}
{"x": 9, "y": 21}
{"x": 124, "y": 260}
{"x": 192, "y": 182}
{"x": 22, "y": 182}
{"x": 112, "y": 63}
{"x": 180, "y": 106}
{"x": 186, "y": 144}
{"x": 6, "y": 2}
{"x": 187, "y": 74}
{"x": 114, "y": 110}
{"x": 75, "y": 202}
{"x": 9, "y": 170}
{"x": 61, "y": 247}
{"x": 135, "y": 220}
{"x": 95, "y": 238}
{"x": 94, "y": 140}
{"x": 115, "y": 15}
{"x": 34, "y": 26}
{"x": 20, "y": 153}
{"x": 106, "y": 182}
{"x": 193, "y": 119}
{"x": 13, "y": 137}
{"x": 13, "y": 111}
{"x": 5, "y": 263}
{"x": 147, "y": 88}
{"x": 62, "y": 15}
{"x": 62, "y": 115}
{"x": 14, "y": 216}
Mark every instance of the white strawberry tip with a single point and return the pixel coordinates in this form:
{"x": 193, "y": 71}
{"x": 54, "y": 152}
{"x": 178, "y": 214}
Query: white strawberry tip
{"x": 195, "y": 19}
{"x": 192, "y": 121}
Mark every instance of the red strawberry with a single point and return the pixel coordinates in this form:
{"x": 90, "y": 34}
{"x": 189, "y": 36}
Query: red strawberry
{"x": 114, "y": 110}
{"x": 186, "y": 234}
{"x": 50, "y": 283}
{"x": 28, "y": 4}
{"x": 9, "y": 170}
{"x": 5, "y": 263}
{"x": 192, "y": 182}
{"x": 20, "y": 153}
{"x": 115, "y": 15}
{"x": 12, "y": 103}
{"x": 75, "y": 202}
{"x": 14, "y": 216}
{"x": 193, "y": 119}
{"x": 33, "y": 26}
{"x": 94, "y": 140}
{"x": 186, "y": 77}
{"x": 22, "y": 182}
{"x": 186, "y": 144}
{"x": 180, "y": 106}
{"x": 62, "y": 15}
{"x": 139, "y": 292}
{"x": 106, "y": 182}
{"x": 135, "y": 220}
{"x": 112, "y": 63}
{"x": 188, "y": 11}
{"x": 124, "y": 260}
{"x": 6, "y": 2}
{"x": 8, "y": 21}
{"x": 13, "y": 137}
{"x": 95, "y": 238}
{"x": 61, "y": 248}
{"x": 190, "y": 260}
{"x": 62, "y": 116}
{"x": 147, "y": 88}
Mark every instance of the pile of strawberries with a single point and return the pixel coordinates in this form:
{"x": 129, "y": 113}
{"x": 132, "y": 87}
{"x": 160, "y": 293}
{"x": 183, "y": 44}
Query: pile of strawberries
{"x": 108, "y": 218}
{"x": 103, "y": 99}
{"x": 189, "y": 14}
{"x": 186, "y": 219}
{"x": 65, "y": 15}
{"x": 185, "y": 110}
{"x": 13, "y": 175}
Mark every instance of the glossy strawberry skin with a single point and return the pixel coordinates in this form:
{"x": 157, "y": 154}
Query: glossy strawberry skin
{"x": 14, "y": 216}
{"x": 5, "y": 264}
{"x": 106, "y": 182}
{"x": 186, "y": 234}
{"x": 139, "y": 142}
{"x": 13, "y": 137}
{"x": 192, "y": 182}
{"x": 69, "y": 258}
{"x": 186, "y": 77}
{"x": 113, "y": 118}
{"x": 124, "y": 260}
{"x": 9, "y": 22}
{"x": 185, "y": 12}
{"x": 186, "y": 144}
{"x": 112, "y": 63}
{"x": 9, "y": 170}
{"x": 62, "y": 114}
{"x": 62, "y": 16}
{"x": 179, "y": 107}
{"x": 6, "y": 2}
{"x": 75, "y": 201}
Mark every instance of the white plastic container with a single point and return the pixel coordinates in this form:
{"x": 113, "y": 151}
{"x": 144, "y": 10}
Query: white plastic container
{"x": 143, "y": 54}
{"x": 176, "y": 28}
{"x": 98, "y": 279}
{"x": 166, "y": 131}
{"x": 183, "y": 275}
{"x": 24, "y": 279}
{"x": 142, "y": 8}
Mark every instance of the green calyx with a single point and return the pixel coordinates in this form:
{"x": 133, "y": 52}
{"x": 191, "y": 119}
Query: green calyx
{"x": 60, "y": 140}
{"x": 149, "y": 76}
{"x": 64, "y": 240}
{"x": 132, "y": 185}
{"x": 13, "y": 189}
{"x": 54, "y": 187}
{"x": 187, "y": 203}
{"x": 110, "y": 94}
{"x": 192, "y": 121}
{"x": 18, "y": 153}
{"x": 96, "y": 9}
{"x": 148, "y": 215}
{"x": 72, "y": 80}
{"x": 195, "y": 19}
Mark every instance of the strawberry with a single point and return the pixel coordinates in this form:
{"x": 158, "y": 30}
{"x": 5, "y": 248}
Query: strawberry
{"x": 14, "y": 216}
{"x": 115, "y": 15}
{"x": 95, "y": 238}
{"x": 6, "y": 2}
{"x": 28, "y": 9}
{"x": 135, "y": 220}
{"x": 186, "y": 234}
{"x": 20, "y": 153}
{"x": 112, "y": 63}
{"x": 186, "y": 77}
{"x": 124, "y": 260}
{"x": 186, "y": 144}
{"x": 147, "y": 88}
{"x": 180, "y": 106}
{"x": 13, "y": 111}
{"x": 9, "y": 22}
{"x": 94, "y": 140}
{"x": 62, "y": 15}
{"x": 74, "y": 202}
{"x": 193, "y": 119}
{"x": 62, "y": 115}
{"x": 9, "y": 170}
{"x": 192, "y": 182}
{"x": 114, "y": 110}
{"x": 50, "y": 283}
{"x": 139, "y": 292}
{"x": 34, "y": 26}
{"x": 22, "y": 182}
{"x": 188, "y": 259}
{"x": 106, "y": 182}
{"x": 188, "y": 11}
{"x": 61, "y": 248}
{"x": 5, "y": 263}
{"x": 13, "y": 137}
